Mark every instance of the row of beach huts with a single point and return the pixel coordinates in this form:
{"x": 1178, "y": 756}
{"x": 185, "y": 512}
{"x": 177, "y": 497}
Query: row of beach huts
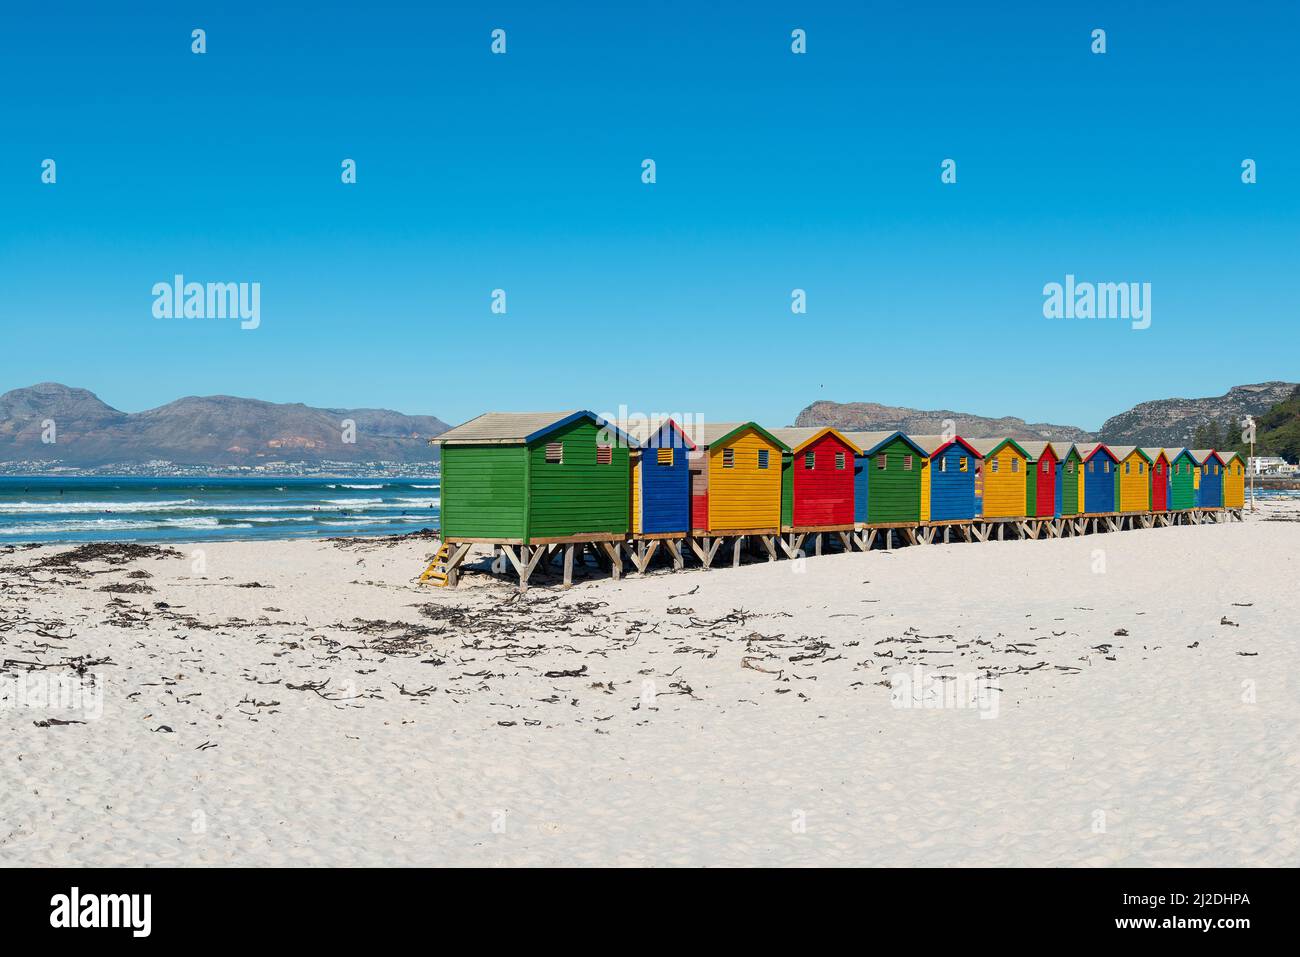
{"x": 542, "y": 487}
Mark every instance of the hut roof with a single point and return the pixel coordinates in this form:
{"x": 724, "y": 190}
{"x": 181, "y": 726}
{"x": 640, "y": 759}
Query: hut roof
{"x": 1092, "y": 448}
{"x": 1034, "y": 450}
{"x": 1201, "y": 455}
{"x": 868, "y": 442}
{"x": 715, "y": 433}
{"x": 1153, "y": 454}
{"x": 796, "y": 438}
{"x": 987, "y": 447}
{"x": 643, "y": 432}
{"x": 1121, "y": 452}
{"x": 519, "y": 428}
{"x": 934, "y": 444}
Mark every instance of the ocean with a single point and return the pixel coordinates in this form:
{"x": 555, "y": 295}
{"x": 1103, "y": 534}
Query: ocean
{"x": 54, "y": 509}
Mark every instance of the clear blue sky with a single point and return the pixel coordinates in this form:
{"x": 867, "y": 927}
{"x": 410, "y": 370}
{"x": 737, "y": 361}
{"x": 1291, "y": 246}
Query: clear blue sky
{"x": 775, "y": 171}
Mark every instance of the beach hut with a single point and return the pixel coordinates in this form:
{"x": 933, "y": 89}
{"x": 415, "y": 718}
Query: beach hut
{"x": 1234, "y": 481}
{"x": 1069, "y": 481}
{"x": 1100, "y": 481}
{"x": 1209, "y": 478}
{"x": 1040, "y": 478}
{"x": 1182, "y": 479}
{"x": 1133, "y": 489}
{"x": 890, "y": 480}
{"x": 1159, "y": 476}
{"x": 534, "y": 477}
{"x": 661, "y": 481}
{"x": 948, "y": 481}
{"x": 1002, "y": 475}
{"x": 736, "y": 479}
{"x": 817, "y": 479}
{"x": 861, "y": 473}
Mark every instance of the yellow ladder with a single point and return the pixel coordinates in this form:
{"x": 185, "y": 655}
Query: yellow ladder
{"x": 436, "y": 572}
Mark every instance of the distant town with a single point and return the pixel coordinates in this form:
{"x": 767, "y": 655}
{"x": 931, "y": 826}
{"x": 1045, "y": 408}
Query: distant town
{"x": 161, "y": 468}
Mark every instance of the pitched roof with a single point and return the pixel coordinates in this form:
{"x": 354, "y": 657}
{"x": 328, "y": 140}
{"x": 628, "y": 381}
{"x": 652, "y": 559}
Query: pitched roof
{"x": 1202, "y": 454}
{"x": 1121, "y": 452}
{"x": 714, "y": 433}
{"x": 518, "y": 428}
{"x": 799, "y": 436}
{"x": 987, "y": 447}
{"x": 1233, "y": 455}
{"x": 934, "y": 444}
{"x": 1092, "y": 448}
{"x": 1034, "y": 450}
{"x": 644, "y": 431}
{"x": 1153, "y": 454}
{"x": 866, "y": 440}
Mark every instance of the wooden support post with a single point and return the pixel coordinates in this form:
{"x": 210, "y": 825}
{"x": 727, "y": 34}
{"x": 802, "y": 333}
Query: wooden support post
{"x": 675, "y": 550}
{"x": 846, "y": 541}
{"x": 735, "y": 551}
{"x": 568, "y": 565}
{"x": 817, "y": 543}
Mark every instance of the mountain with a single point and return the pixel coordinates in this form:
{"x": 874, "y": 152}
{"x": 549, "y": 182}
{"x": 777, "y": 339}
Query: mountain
{"x": 872, "y": 417}
{"x": 207, "y": 430}
{"x": 1199, "y": 423}
{"x": 1174, "y": 422}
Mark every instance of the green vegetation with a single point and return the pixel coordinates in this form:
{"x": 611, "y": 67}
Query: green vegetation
{"x": 1277, "y": 432}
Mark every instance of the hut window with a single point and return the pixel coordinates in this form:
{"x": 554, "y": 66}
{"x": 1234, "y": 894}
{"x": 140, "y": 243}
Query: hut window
{"x": 1126, "y": 468}
{"x": 728, "y": 458}
{"x": 839, "y": 461}
{"x": 993, "y": 466}
{"x": 882, "y": 460}
{"x": 1047, "y": 467}
{"x": 963, "y": 464}
{"x": 1092, "y": 466}
{"x": 907, "y": 463}
{"x": 810, "y": 460}
{"x": 604, "y": 454}
{"x": 943, "y": 465}
{"x": 1160, "y": 469}
{"x": 555, "y": 453}
{"x": 1015, "y": 465}
{"x": 665, "y": 456}
{"x": 1069, "y": 468}
{"x": 1107, "y": 468}
{"x": 762, "y": 458}
{"x": 1142, "y": 468}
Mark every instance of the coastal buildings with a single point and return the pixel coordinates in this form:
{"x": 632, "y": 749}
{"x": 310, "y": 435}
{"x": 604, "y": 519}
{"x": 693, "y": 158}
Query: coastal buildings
{"x": 525, "y": 478}
{"x": 1159, "y": 475}
{"x": 736, "y": 479}
{"x": 1209, "y": 478}
{"x": 1005, "y": 465}
{"x": 948, "y": 482}
{"x": 817, "y": 479}
{"x": 1099, "y": 464}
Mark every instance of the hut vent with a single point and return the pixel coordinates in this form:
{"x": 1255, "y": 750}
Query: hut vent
{"x": 665, "y": 456}
{"x": 810, "y": 460}
{"x": 728, "y": 458}
{"x": 604, "y": 454}
{"x": 839, "y": 460}
{"x": 555, "y": 453}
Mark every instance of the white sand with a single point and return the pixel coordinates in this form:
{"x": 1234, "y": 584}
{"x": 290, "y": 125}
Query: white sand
{"x": 1151, "y": 753}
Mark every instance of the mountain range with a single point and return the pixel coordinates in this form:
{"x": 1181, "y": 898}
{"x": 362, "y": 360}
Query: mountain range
{"x": 222, "y": 430}
{"x": 1165, "y": 423}
{"x": 203, "y": 430}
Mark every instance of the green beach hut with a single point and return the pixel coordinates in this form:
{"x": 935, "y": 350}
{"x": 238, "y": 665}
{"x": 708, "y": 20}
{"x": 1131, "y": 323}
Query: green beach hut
{"x": 525, "y": 478}
{"x": 1182, "y": 479}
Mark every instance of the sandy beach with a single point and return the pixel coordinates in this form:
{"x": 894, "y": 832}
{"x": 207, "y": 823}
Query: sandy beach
{"x": 1122, "y": 699}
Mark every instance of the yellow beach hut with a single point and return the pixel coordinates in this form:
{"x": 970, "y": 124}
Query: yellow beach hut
{"x": 1002, "y": 477}
{"x": 1234, "y": 481}
{"x": 736, "y": 479}
{"x": 1133, "y": 485}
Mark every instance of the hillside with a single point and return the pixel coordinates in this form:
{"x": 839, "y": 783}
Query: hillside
{"x": 1212, "y": 422}
{"x": 208, "y": 430}
{"x": 1175, "y": 422}
{"x": 871, "y": 416}
{"x": 1277, "y": 431}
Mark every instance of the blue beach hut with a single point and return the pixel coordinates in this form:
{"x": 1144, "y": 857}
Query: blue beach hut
{"x": 661, "y": 482}
{"x": 1099, "y": 464}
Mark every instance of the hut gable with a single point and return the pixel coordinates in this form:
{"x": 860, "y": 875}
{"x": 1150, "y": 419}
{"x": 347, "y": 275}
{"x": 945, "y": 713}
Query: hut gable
{"x": 743, "y": 476}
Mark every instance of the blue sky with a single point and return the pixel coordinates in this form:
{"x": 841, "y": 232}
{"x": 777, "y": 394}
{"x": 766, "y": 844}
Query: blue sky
{"x": 775, "y": 172}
